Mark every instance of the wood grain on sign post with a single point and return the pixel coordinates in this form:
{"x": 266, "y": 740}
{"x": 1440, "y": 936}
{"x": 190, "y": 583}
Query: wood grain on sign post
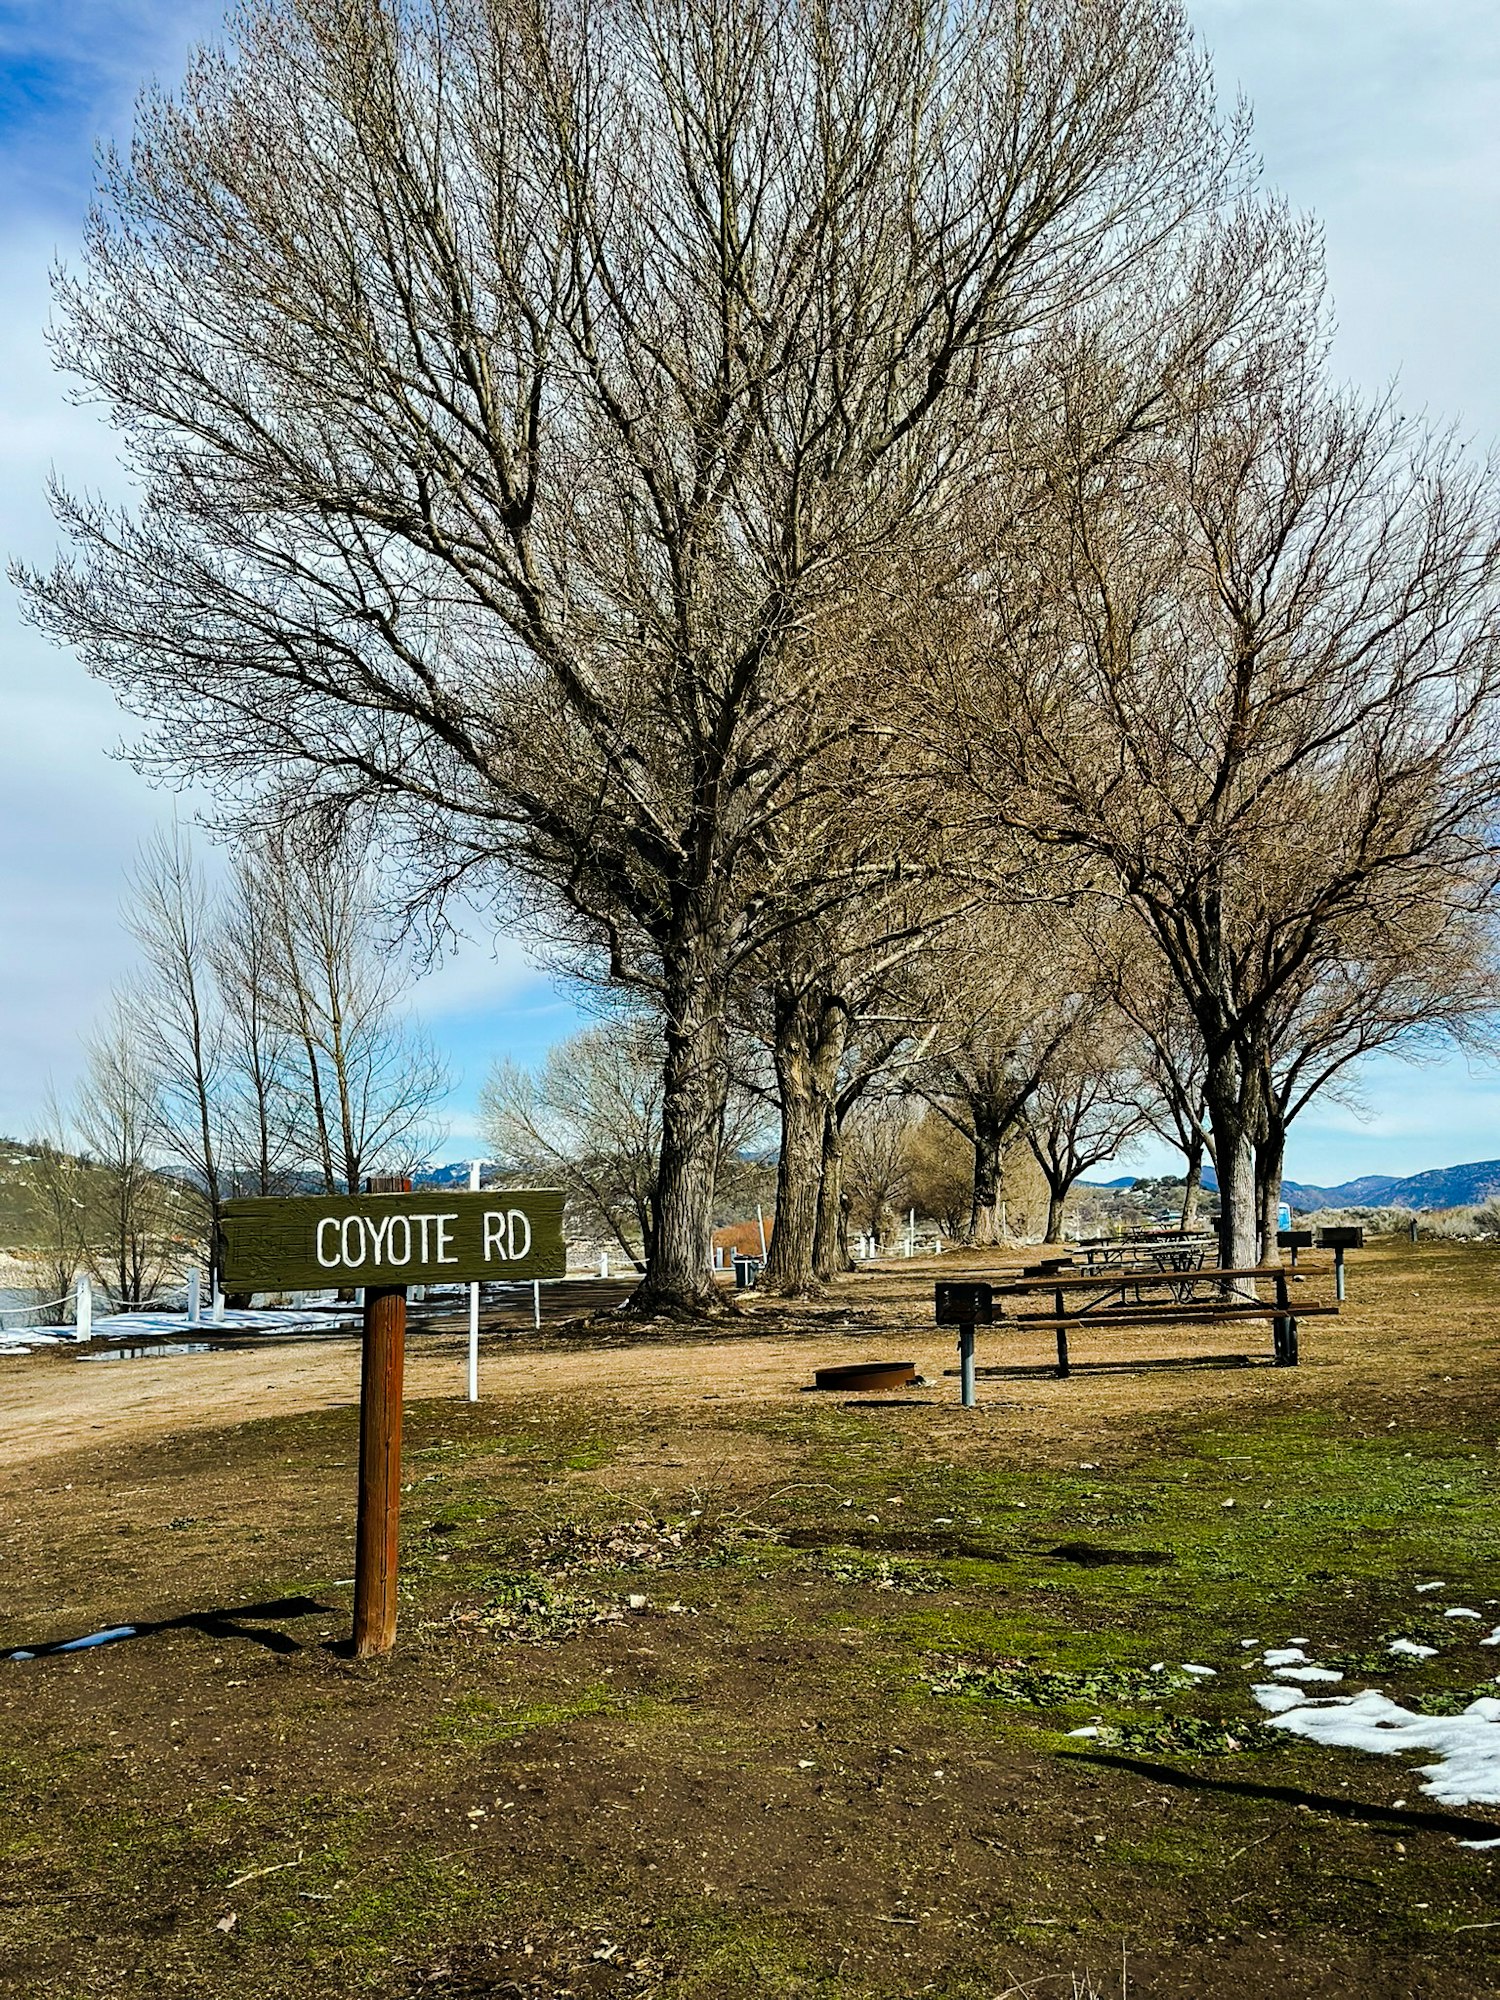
{"x": 377, "y": 1533}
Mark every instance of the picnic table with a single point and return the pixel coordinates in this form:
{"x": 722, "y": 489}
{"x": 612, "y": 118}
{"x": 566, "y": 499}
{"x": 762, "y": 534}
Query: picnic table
{"x": 1110, "y": 1301}
{"x": 1163, "y": 1253}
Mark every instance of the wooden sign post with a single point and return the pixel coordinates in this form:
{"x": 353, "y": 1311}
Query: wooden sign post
{"x": 377, "y": 1525}
{"x": 385, "y": 1240}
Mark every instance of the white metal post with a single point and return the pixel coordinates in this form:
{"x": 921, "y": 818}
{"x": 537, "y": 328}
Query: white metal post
{"x": 760, "y": 1218}
{"x": 536, "y": 1302}
{"x": 474, "y": 1166}
{"x": 83, "y": 1315}
{"x": 216, "y": 1310}
{"x": 195, "y": 1300}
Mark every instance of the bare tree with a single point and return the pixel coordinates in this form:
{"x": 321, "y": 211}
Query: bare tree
{"x": 1173, "y": 1061}
{"x": 1426, "y": 978}
{"x": 57, "y": 1182}
{"x": 372, "y": 1080}
{"x": 941, "y": 1173}
{"x": 825, "y": 996}
{"x": 517, "y": 394}
{"x": 1087, "y": 1106}
{"x": 140, "y": 1225}
{"x": 588, "y": 1120}
{"x": 1251, "y": 669}
{"x": 178, "y": 1024}
{"x": 259, "y": 1049}
{"x": 878, "y": 1159}
{"x": 1013, "y": 993}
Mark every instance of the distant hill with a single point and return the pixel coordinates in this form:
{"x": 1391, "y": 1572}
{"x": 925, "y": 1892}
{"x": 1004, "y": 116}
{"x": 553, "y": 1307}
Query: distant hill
{"x": 1441, "y": 1187}
{"x": 1369, "y": 1191}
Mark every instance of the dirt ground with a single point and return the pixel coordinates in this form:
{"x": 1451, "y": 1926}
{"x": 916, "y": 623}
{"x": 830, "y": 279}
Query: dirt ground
{"x": 710, "y": 1686}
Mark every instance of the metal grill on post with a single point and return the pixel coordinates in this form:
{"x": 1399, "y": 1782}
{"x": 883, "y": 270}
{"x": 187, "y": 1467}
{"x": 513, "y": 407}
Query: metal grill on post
{"x": 965, "y": 1305}
{"x": 1294, "y": 1240}
{"x": 1338, "y": 1239}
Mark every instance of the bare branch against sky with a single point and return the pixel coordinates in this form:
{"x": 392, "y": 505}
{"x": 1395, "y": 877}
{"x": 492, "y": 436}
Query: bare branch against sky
{"x": 1382, "y": 117}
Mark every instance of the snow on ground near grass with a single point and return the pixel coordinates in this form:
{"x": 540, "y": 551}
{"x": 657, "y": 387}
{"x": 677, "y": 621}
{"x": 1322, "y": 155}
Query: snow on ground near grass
{"x": 1468, "y": 1746}
{"x": 125, "y": 1328}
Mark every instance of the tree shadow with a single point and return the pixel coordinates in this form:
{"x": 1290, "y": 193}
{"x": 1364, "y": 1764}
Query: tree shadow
{"x": 1407, "y": 1818}
{"x": 227, "y": 1622}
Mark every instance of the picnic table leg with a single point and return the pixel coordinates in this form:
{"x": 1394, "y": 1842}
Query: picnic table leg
{"x": 966, "y": 1363}
{"x": 1284, "y": 1327}
{"x": 1058, "y": 1303}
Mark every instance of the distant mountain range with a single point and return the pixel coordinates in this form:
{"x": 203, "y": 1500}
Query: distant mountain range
{"x": 454, "y": 1175}
{"x": 1440, "y": 1187}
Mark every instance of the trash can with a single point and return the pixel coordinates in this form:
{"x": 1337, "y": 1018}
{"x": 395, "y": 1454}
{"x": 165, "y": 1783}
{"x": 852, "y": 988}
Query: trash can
{"x": 746, "y": 1273}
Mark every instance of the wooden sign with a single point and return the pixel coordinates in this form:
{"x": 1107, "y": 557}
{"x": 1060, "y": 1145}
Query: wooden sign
{"x": 432, "y": 1237}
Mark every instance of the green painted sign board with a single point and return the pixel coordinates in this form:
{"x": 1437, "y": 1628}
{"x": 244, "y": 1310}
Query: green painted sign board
{"x": 430, "y": 1237}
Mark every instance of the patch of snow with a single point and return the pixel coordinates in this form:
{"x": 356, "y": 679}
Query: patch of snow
{"x": 1205, "y": 1673}
{"x": 1410, "y": 1646}
{"x": 1479, "y": 1846}
{"x": 1090, "y": 1730}
{"x": 1249, "y": 1642}
{"x": 1458, "y": 1611}
{"x": 1307, "y": 1674}
{"x": 1273, "y": 1696}
{"x": 1493, "y": 1639}
{"x": 1283, "y": 1656}
{"x": 1468, "y": 1768}
{"x": 1430, "y": 1586}
{"x": 128, "y": 1326}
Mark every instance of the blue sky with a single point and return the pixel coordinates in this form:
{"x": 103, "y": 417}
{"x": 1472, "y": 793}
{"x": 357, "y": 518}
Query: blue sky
{"x": 1381, "y": 116}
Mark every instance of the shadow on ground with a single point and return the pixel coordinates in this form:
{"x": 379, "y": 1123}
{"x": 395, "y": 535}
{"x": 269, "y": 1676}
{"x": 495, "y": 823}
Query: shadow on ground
{"x": 225, "y": 1623}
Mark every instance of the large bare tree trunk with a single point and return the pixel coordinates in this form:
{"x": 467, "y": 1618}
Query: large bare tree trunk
{"x": 1055, "y": 1199}
{"x": 1232, "y": 1113}
{"x": 810, "y": 1037}
{"x": 1270, "y": 1158}
{"x": 695, "y": 1089}
{"x": 1192, "y": 1185}
{"x": 987, "y": 1215}
{"x": 831, "y": 1245}
{"x": 799, "y": 1176}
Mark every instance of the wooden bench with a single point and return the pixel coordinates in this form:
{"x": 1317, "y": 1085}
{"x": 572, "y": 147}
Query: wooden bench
{"x": 972, "y": 1304}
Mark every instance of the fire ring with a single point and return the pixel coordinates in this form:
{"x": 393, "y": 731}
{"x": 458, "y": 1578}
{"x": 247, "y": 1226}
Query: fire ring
{"x": 867, "y": 1375}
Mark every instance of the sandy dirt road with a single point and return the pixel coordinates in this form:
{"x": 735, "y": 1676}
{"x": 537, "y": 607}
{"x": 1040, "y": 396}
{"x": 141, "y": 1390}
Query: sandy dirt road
{"x": 52, "y": 1403}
